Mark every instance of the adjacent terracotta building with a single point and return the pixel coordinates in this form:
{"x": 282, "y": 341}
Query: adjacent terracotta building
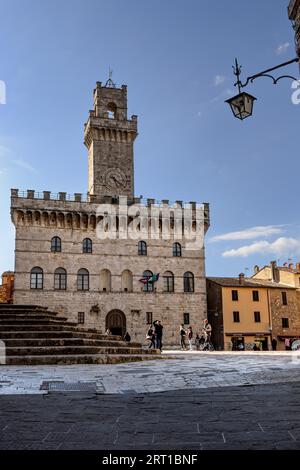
{"x": 247, "y": 311}
{"x": 7, "y": 287}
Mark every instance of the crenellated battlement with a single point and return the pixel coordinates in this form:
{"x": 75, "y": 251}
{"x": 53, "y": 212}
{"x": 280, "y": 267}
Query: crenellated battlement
{"x": 44, "y": 208}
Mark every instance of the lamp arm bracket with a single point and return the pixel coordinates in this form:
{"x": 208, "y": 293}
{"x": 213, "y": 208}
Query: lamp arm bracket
{"x": 265, "y": 73}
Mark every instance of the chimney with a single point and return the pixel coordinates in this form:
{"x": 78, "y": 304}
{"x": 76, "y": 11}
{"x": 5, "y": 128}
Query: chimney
{"x": 291, "y": 266}
{"x": 241, "y": 278}
{"x": 285, "y": 265}
{"x": 274, "y": 271}
{"x": 298, "y": 266}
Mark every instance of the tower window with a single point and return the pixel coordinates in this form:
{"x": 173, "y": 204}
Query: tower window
{"x": 176, "y": 249}
{"x": 56, "y": 245}
{"x": 186, "y": 318}
{"x": 142, "y": 248}
{"x": 111, "y": 111}
{"x": 87, "y": 245}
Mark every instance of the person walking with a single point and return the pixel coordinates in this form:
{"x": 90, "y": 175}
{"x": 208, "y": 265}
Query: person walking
{"x": 190, "y": 337}
{"x": 274, "y": 344}
{"x": 182, "y": 337}
{"x": 287, "y": 343}
{"x": 158, "y": 329}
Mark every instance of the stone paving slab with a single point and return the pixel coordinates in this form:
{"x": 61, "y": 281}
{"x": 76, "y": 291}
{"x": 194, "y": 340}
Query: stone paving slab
{"x": 154, "y": 421}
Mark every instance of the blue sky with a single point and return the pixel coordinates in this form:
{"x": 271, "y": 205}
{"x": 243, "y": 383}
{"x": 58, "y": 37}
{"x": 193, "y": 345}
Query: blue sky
{"x": 176, "y": 57}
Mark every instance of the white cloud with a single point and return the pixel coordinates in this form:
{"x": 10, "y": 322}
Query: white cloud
{"x": 282, "y": 246}
{"x": 249, "y": 233}
{"x": 219, "y": 79}
{"x": 21, "y": 163}
{"x": 282, "y": 48}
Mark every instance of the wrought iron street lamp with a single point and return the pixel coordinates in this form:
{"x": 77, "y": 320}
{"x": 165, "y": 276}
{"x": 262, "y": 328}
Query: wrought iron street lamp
{"x": 242, "y": 104}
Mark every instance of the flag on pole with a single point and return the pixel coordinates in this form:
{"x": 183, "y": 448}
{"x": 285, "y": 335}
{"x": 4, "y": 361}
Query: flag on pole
{"x": 150, "y": 279}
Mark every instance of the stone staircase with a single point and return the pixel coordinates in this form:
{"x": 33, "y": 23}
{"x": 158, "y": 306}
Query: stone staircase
{"x": 33, "y": 335}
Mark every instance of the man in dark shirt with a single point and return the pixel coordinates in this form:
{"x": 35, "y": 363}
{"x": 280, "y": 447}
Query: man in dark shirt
{"x": 158, "y": 331}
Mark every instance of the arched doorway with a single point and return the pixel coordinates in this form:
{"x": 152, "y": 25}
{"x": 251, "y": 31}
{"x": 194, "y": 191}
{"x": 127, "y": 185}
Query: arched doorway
{"x": 116, "y": 322}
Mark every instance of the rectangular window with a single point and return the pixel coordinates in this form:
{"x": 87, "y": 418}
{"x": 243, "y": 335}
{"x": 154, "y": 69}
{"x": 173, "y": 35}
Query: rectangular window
{"x": 186, "y": 318}
{"x": 234, "y": 295}
{"x": 255, "y": 295}
{"x": 285, "y": 323}
{"x": 257, "y": 317}
{"x": 236, "y": 317}
{"x": 149, "y": 318}
{"x": 80, "y": 317}
{"x": 284, "y": 298}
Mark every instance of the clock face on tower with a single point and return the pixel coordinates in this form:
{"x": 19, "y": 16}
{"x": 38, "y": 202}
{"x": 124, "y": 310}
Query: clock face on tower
{"x": 115, "y": 179}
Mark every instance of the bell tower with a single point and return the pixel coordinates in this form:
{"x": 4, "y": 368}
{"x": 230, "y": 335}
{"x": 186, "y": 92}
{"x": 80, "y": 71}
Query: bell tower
{"x": 109, "y": 138}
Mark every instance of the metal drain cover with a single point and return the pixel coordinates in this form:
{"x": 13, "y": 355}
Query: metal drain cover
{"x": 69, "y": 386}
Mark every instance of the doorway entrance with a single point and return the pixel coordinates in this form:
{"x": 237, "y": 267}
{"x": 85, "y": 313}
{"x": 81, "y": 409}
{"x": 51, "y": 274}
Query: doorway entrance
{"x": 116, "y": 322}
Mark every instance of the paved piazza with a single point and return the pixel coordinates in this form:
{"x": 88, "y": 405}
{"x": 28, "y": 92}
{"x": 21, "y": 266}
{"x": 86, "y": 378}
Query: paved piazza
{"x": 195, "y": 401}
{"x": 184, "y": 371}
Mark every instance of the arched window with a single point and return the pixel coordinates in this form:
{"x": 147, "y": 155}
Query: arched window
{"x": 83, "y": 279}
{"x": 56, "y": 244}
{"x": 127, "y": 281}
{"x": 111, "y": 110}
{"x": 148, "y": 286}
{"x": 168, "y": 281}
{"x": 142, "y": 248}
{"x": 36, "y": 278}
{"x": 87, "y": 245}
{"x": 188, "y": 282}
{"x": 176, "y": 249}
{"x": 60, "y": 279}
{"x": 105, "y": 280}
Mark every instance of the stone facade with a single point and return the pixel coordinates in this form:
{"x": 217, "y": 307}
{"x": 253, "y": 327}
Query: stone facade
{"x": 7, "y": 287}
{"x": 115, "y": 297}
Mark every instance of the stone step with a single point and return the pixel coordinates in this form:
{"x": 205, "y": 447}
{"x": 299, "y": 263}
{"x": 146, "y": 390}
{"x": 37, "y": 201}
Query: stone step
{"x": 75, "y": 350}
{"x": 27, "y": 317}
{"x": 35, "y": 320}
{"x": 43, "y": 327}
{"x": 79, "y": 359}
{"x": 49, "y": 342}
{"x": 56, "y": 334}
{"x": 23, "y": 307}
